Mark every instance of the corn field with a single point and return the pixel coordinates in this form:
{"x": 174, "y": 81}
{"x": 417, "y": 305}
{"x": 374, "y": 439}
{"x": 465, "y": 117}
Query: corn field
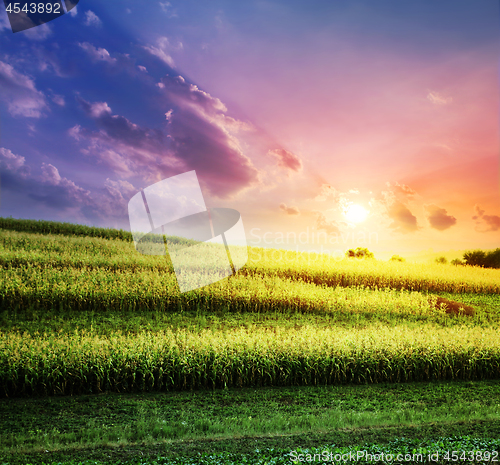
{"x": 85, "y": 363}
{"x": 363, "y": 321}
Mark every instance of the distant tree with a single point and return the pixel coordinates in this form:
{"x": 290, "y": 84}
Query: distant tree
{"x": 359, "y": 252}
{"x": 397, "y": 258}
{"x": 457, "y": 261}
{"x": 441, "y": 260}
{"x": 475, "y": 258}
{"x": 493, "y": 259}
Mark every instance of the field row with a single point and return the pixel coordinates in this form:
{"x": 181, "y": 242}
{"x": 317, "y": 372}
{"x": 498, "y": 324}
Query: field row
{"x": 80, "y": 290}
{"x": 86, "y": 363}
{"x": 56, "y": 252}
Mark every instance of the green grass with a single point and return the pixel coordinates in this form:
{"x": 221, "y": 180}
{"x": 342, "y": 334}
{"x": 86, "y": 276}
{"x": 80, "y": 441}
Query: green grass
{"x": 183, "y": 423}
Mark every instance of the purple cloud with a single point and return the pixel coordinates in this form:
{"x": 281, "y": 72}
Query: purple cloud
{"x": 20, "y": 93}
{"x": 162, "y": 51}
{"x": 197, "y": 135}
{"x": 97, "y": 54}
{"x": 49, "y": 188}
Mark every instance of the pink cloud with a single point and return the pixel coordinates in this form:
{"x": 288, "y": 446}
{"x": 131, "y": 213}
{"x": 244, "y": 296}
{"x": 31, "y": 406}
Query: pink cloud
{"x": 485, "y": 223}
{"x": 287, "y": 159}
{"x": 289, "y": 210}
{"x": 439, "y": 218}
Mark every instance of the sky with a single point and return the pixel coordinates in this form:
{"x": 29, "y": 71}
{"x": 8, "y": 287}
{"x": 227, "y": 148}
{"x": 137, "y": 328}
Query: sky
{"x": 327, "y": 124}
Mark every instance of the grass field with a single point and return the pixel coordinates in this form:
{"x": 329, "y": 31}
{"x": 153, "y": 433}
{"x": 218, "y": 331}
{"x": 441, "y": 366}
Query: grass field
{"x": 82, "y": 313}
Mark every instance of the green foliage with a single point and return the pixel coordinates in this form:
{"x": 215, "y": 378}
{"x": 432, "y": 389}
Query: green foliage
{"x": 359, "y": 252}
{"x": 397, "y": 258}
{"x": 53, "y": 227}
{"x": 483, "y": 258}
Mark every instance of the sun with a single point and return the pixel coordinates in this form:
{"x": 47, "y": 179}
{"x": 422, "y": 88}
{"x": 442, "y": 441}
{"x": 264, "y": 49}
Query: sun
{"x": 356, "y": 213}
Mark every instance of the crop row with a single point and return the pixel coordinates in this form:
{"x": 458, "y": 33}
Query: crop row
{"x": 98, "y": 290}
{"x": 18, "y": 250}
{"x": 176, "y": 360}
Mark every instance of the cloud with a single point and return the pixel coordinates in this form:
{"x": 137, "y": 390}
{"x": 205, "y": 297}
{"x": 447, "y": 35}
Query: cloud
{"x": 123, "y": 146}
{"x": 322, "y": 223}
{"x": 74, "y": 11}
{"x": 289, "y": 210}
{"x": 38, "y": 33}
{"x": 196, "y": 134}
{"x": 485, "y": 223}
{"x": 20, "y": 93}
{"x": 286, "y": 159}
{"x": 439, "y": 219}
{"x": 142, "y": 68}
{"x": 327, "y": 191}
{"x": 161, "y": 51}
{"x": 401, "y": 191}
{"x": 97, "y": 54}
{"x": 168, "y": 10}
{"x": 4, "y": 20}
{"x": 402, "y": 218}
{"x": 96, "y": 109}
{"x": 49, "y": 188}
{"x": 59, "y": 100}
{"x": 479, "y": 212}
{"x": 56, "y": 191}
{"x": 106, "y": 206}
{"x": 438, "y": 99}
{"x": 91, "y": 19}
{"x": 13, "y": 163}
{"x": 189, "y": 96}
{"x": 201, "y": 135}
{"x": 393, "y": 204}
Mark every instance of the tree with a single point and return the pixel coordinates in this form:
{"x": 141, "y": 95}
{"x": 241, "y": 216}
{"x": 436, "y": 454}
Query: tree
{"x": 493, "y": 259}
{"x": 397, "y": 258}
{"x": 475, "y": 258}
{"x": 360, "y": 252}
{"x": 441, "y": 260}
{"x": 457, "y": 261}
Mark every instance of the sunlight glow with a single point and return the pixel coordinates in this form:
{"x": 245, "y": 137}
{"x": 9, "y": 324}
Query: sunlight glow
{"x": 356, "y": 213}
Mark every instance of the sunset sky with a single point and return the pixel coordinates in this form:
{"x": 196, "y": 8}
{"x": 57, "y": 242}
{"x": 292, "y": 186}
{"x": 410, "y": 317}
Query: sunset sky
{"x": 362, "y": 123}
